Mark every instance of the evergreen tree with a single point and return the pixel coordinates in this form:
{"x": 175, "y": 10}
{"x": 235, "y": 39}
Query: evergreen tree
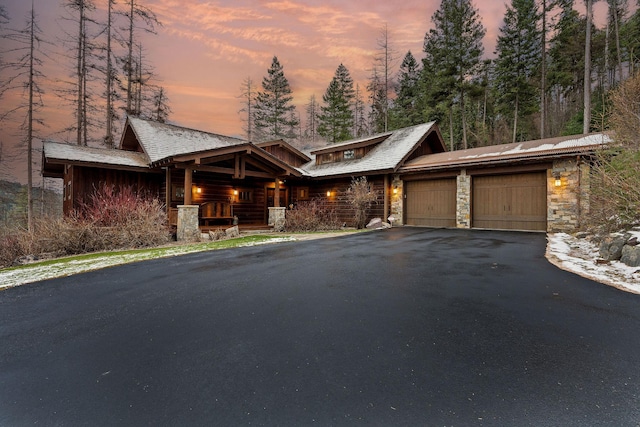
{"x": 453, "y": 52}
{"x": 272, "y": 111}
{"x": 377, "y": 102}
{"x": 360, "y": 121}
{"x": 405, "y": 111}
{"x": 336, "y": 117}
{"x": 630, "y": 40}
{"x": 518, "y": 50}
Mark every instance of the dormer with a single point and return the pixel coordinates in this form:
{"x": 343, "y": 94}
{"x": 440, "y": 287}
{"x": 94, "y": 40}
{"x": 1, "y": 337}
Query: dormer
{"x": 352, "y": 150}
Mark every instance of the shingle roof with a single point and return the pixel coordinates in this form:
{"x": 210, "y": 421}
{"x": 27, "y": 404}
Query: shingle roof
{"x": 509, "y": 152}
{"x": 161, "y": 141}
{"x": 66, "y": 152}
{"x": 386, "y": 156}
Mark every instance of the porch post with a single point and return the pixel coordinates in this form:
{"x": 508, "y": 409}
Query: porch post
{"x": 188, "y": 179}
{"x": 167, "y": 188}
{"x": 276, "y": 194}
{"x": 387, "y": 188}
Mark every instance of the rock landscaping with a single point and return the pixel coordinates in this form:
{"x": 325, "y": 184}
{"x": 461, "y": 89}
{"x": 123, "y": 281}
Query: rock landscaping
{"x": 622, "y": 247}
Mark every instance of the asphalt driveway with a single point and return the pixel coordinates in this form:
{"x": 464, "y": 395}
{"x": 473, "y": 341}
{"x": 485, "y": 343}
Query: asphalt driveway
{"x": 407, "y": 326}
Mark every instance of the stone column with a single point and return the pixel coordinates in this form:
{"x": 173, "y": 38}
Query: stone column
{"x": 276, "y": 215}
{"x": 563, "y": 201}
{"x": 188, "y": 229}
{"x": 397, "y": 199}
{"x": 463, "y": 200}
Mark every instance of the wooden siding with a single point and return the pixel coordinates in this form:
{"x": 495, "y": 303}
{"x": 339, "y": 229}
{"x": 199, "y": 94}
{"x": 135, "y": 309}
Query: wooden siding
{"x": 81, "y": 182}
{"x": 431, "y": 203}
{"x": 284, "y": 155}
{"x": 338, "y": 200}
{"x": 510, "y": 202}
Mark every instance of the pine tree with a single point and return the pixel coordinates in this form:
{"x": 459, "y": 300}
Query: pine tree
{"x": 405, "y": 111}
{"x": 453, "y": 52}
{"x": 272, "y": 112}
{"x": 377, "y": 100}
{"x": 160, "y": 108}
{"x": 336, "y": 117}
{"x": 360, "y": 121}
{"x": 518, "y": 50}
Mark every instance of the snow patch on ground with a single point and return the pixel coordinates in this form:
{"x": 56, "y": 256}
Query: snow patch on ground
{"x": 65, "y": 267}
{"x": 579, "y": 256}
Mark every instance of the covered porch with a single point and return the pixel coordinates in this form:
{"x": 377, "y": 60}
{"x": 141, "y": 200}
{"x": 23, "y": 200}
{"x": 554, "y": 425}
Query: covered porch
{"x": 239, "y": 185}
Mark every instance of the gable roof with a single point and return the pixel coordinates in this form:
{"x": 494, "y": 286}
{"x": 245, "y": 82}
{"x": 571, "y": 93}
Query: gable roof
{"x": 288, "y": 147}
{"x": 519, "y": 151}
{"x": 56, "y": 155}
{"x": 387, "y": 156}
{"x": 162, "y": 141}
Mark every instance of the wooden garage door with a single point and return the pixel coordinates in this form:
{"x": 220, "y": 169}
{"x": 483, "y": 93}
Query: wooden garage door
{"x": 431, "y": 203}
{"x": 510, "y": 202}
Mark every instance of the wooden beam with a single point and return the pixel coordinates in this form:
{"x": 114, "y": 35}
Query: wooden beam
{"x": 167, "y": 187}
{"x": 188, "y": 180}
{"x": 228, "y": 171}
{"x": 276, "y": 193}
{"x": 387, "y": 189}
{"x": 236, "y": 172}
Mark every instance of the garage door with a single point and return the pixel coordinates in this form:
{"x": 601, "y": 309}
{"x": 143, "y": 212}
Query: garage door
{"x": 510, "y": 202}
{"x": 431, "y": 203}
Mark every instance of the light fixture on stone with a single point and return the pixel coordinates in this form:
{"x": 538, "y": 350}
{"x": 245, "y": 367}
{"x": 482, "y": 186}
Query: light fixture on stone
{"x": 557, "y": 180}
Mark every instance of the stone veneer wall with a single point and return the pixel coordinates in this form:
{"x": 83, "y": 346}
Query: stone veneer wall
{"x": 568, "y": 203}
{"x": 397, "y": 200}
{"x": 188, "y": 229}
{"x": 463, "y": 203}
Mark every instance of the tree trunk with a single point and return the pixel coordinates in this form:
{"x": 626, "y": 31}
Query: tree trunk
{"x": 30, "y": 123}
{"x": 587, "y": 70}
{"x": 543, "y": 72}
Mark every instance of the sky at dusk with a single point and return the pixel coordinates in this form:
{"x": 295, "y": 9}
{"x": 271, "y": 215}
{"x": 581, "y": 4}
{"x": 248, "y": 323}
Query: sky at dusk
{"x": 205, "y": 49}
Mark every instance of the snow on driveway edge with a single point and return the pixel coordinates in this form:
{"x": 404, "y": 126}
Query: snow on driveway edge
{"x": 579, "y": 255}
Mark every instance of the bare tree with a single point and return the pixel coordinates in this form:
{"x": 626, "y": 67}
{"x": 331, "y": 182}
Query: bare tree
{"x": 247, "y": 95}
{"x": 385, "y": 60}
{"x": 587, "y": 69}
{"x": 26, "y": 76}
{"x": 312, "y": 109}
{"x": 149, "y": 21}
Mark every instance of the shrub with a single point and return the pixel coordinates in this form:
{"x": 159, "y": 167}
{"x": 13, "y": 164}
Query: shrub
{"x": 111, "y": 220}
{"x": 361, "y": 196}
{"x": 616, "y": 178}
{"x": 314, "y": 215}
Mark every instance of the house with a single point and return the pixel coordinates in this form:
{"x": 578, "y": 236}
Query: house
{"x": 213, "y": 179}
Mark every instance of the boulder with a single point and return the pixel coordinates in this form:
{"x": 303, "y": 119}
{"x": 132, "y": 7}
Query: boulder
{"x": 611, "y": 247}
{"x": 232, "y": 232}
{"x": 375, "y": 223}
{"x": 631, "y": 255}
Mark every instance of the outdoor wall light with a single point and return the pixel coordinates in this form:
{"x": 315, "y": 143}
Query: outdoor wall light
{"x": 395, "y": 190}
{"x": 557, "y": 181}
{"x": 329, "y": 193}
{"x": 235, "y": 192}
{"x": 198, "y": 190}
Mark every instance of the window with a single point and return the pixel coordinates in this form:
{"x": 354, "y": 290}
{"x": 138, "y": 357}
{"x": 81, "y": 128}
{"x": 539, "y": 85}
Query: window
{"x": 303, "y": 193}
{"x": 245, "y": 196}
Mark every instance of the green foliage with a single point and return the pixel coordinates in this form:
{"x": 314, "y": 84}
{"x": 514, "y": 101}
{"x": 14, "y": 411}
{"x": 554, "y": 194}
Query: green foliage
{"x": 272, "y": 114}
{"x": 361, "y": 196}
{"x": 453, "y": 51}
{"x": 336, "y": 117}
{"x": 406, "y": 110}
{"x": 518, "y": 59}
